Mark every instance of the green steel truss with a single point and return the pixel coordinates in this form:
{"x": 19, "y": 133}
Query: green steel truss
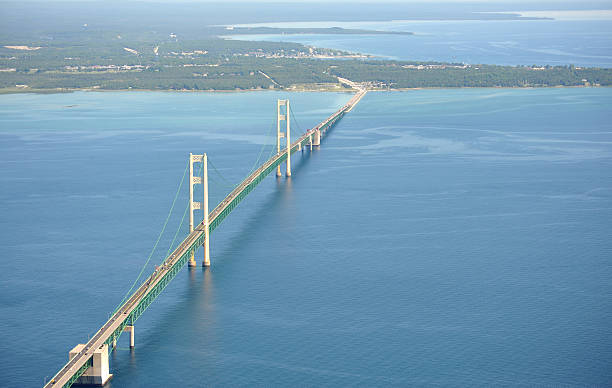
{"x": 79, "y": 372}
{"x": 159, "y": 287}
{"x": 154, "y": 292}
{"x": 173, "y": 271}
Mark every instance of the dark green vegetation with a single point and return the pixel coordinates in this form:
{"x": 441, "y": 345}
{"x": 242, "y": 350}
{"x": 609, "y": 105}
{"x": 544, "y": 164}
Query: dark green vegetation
{"x": 109, "y": 61}
{"x": 177, "y": 47}
{"x": 423, "y": 75}
{"x": 114, "y": 63}
{"x": 171, "y": 47}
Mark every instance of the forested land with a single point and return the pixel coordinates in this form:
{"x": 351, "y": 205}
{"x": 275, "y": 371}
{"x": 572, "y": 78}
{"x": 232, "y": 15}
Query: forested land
{"x": 424, "y": 75}
{"x": 110, "y": 61}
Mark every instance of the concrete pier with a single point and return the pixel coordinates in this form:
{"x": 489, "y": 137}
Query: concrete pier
{"x": 316, "y": 138}
{"x": 95, "y": 352}
{"x": 130, "y": 328}
{"x": 98, "y": 374}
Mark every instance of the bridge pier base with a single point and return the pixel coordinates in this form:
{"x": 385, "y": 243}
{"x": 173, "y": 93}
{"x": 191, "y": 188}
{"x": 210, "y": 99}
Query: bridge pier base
{"x": 130, "y": 328}
{"x": 206, "y": 261}
{"x": 98, "y": 374}
{"x": 317, "y": 138}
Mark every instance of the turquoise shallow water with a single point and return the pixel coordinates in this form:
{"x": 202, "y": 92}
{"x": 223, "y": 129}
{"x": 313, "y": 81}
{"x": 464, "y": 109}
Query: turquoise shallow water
{"x": 438, "y": 237}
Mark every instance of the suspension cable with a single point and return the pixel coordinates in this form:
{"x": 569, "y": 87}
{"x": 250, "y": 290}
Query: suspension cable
{"x": 227, "y": 182}
{"x": 295, "y": 120}
{"x": 255, "y": 165}
{"x": 182, "y": 220}
{"x": 264, "y": 145}
{"x": 157, "y": 241}
{"x": 178, "y": 230}
{"x": 228, "y": 185}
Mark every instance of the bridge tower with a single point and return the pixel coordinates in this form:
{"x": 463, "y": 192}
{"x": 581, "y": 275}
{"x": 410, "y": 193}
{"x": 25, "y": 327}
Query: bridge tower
{"x": 193, "y": 205}
{"x": 283, "y": 115}
{"x": 206, "y": 262}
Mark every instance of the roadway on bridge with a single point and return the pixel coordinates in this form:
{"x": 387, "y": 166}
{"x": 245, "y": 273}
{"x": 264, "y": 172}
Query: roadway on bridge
{"x": 76, "y": 366}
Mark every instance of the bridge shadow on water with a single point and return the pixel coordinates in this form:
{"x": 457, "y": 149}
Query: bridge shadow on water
{"x": 197, "y": 304}
{"x": 276, "y": 200}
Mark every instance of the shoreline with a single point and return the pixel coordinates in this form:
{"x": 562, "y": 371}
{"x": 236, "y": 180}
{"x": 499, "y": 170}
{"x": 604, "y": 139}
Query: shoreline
{"x": 4, "y": 91}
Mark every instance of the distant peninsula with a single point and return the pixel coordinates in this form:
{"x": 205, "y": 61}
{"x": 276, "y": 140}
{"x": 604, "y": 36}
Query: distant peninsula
{"x": 298, "y": 31}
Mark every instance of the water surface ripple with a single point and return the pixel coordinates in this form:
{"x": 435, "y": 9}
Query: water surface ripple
{"x": 437, "y": 238}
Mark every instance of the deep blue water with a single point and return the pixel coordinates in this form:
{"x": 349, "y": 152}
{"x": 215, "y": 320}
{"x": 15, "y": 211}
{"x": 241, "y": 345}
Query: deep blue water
{"x": 438, "y": 237}
{"x": 582, "y": 38}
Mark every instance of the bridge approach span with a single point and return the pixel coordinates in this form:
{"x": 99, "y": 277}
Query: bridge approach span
{"x": 138, "y": 302}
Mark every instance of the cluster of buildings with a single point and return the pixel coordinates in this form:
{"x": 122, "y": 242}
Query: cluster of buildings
{"x": 107, "y": 68}
{"x": 435, "y": 66}
{"x": 188, "y": 53}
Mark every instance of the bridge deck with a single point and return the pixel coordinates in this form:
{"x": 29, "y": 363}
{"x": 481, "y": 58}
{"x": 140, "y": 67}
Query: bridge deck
{"x": 133, "y": 308}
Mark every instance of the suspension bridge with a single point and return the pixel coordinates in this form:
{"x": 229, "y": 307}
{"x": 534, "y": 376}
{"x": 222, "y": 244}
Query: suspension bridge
{"x": 88, "y": 363}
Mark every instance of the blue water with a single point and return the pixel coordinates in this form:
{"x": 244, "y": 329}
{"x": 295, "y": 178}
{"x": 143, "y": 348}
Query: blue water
{"x": 438, "y": 237}
{"x": 501, "y": 42}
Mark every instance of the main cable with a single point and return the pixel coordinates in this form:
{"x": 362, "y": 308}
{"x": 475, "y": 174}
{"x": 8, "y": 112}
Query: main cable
{"x": 180, "y": 227}
{"x": 228, "y": 185}
{"x": 156, "y": 242}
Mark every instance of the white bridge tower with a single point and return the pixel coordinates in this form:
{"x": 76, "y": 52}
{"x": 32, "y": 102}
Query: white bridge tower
{"x": 283, "y": 115}
{"x": 193, "y": 205}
